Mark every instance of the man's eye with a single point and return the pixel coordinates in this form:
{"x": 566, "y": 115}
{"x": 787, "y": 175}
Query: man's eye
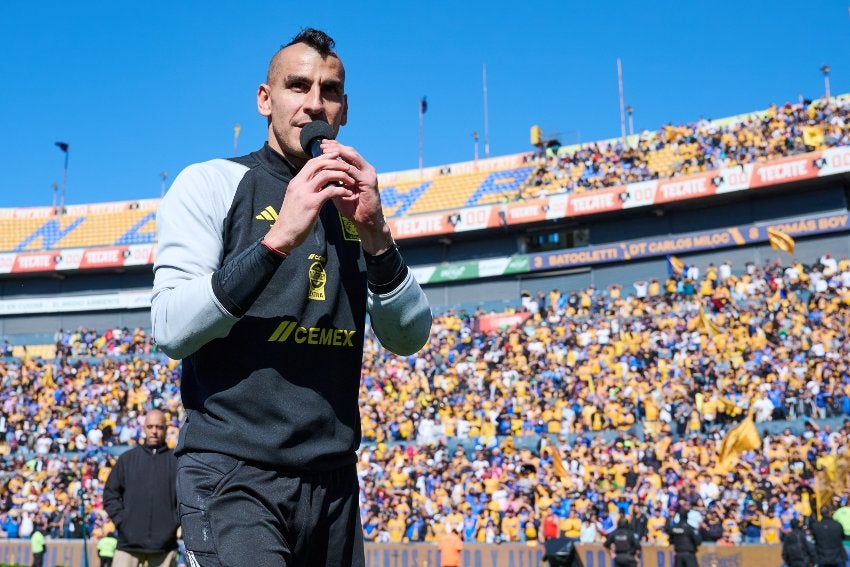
{"x": 331, "y": 93}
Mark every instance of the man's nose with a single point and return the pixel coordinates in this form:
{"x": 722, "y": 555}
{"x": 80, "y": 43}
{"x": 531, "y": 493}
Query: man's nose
{"x": 313, "y": 104}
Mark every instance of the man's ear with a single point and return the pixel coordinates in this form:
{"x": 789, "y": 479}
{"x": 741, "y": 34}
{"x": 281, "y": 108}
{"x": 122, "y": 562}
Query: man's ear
{"x": 344, "y": 110}
{"x": 264, "y": 104}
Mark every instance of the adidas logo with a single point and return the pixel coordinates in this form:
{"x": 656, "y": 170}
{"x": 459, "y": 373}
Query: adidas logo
{"x": 268, "y": 214}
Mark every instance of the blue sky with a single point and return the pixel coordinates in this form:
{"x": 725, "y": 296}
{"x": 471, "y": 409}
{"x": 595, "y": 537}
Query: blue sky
{"x": 137, "y": 88}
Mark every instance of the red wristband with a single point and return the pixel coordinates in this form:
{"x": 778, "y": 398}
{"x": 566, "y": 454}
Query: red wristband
{"x": 280, "y": 253}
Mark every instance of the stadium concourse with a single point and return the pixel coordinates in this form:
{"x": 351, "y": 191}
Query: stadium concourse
{"x": 635, "y": 387}
{"x": 572, "y": 406}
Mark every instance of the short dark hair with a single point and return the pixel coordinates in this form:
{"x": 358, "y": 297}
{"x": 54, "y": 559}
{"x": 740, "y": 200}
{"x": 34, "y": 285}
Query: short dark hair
{"x": 317, "y": 39}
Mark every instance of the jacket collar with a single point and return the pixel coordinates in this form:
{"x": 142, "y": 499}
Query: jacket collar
{"x": 156, "y": 450}
{"x": 275, "y": 163}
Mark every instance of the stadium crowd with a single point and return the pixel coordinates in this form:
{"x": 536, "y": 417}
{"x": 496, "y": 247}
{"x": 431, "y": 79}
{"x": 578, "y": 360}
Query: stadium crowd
{"x": 60, "y": 420}
{"x": 627, "y": 394}
{"x": 685, "y": 149}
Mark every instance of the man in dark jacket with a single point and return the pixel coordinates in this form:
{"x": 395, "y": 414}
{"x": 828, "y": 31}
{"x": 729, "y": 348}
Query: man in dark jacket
{"x": 685, "y": 541}
{"x": 140, "y": 498}
{"x": 640, "y": 522}
{"x": 828, "y": 535}
{"x": 561, "y": 552}
{"x": 797, "y": 551}
{"x": 623, "y": 544}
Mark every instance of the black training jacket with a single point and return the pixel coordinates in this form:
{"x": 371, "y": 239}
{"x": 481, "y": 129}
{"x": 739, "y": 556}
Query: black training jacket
{"x": 140, "y": 498}
{"x": 272, "y": 348}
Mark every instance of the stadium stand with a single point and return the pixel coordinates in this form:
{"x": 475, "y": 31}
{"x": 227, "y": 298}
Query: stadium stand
{"x": 673, "y": 151}
{"x": 643, "y": 384}
{"x": 692, "y": 148}
{"x": 110, "y": 224}
{"x": 573, "y": 405}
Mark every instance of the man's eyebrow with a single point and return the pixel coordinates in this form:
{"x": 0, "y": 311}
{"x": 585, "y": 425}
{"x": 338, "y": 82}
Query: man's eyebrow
{"x": 291, "y": 79}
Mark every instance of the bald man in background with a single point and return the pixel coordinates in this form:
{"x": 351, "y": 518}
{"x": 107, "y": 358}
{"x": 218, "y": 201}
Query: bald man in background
{"x": 140, "y": 498}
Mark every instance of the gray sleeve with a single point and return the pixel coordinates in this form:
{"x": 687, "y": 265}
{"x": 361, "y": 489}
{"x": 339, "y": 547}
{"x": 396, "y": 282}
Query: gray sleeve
{"x": 401, "y": 318}
{"x": 185, "y": 312}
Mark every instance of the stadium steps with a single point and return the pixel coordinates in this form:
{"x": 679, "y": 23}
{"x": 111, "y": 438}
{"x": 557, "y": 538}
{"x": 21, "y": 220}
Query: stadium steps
{"x": 16, "y": 231}
{"x": 451, "y": 192}
{"x": 104, "y": 229}
{"x": 94, "y": 229}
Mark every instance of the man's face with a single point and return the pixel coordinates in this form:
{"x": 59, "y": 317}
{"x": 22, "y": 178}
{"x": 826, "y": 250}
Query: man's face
{"x": 303, "y": 87}
{"x": 155, "y": 429}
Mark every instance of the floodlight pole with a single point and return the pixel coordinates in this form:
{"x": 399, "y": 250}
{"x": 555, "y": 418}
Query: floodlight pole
{"x": 825, "y": 70}
{"x": 66, "y": 149}
{"x": 486, "y": 120}
{"x": 64, "y": 183}
{"x": 421, "y": 128}
{"x": 622, "y": 105}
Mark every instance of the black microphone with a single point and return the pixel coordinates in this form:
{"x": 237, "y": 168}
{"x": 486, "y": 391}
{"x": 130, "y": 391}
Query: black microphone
{"x": 312, "y": 135}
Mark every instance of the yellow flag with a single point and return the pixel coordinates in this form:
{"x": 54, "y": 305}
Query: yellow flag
{"x": 831, "y": 478}
{"x": 557, "y": 463}
{"x": 744, "y": 437}
{"x": 675, "y": 265}
{"x": 710, "y": 327}
{"x": 829, "y": 465}
{"x": 780, "y": 241}
{"x": 842, "y": 472}
{"x": 813, "y": 136}
{"x": 662, "y": 445}
{"x": 48, "y": 376}
{"x": 823, "y": 492}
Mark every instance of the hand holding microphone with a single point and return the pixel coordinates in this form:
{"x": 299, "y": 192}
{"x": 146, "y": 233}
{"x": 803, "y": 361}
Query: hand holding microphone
{"x": 337, "y": 173}
{"x": 322, "y": 178}
{"x": 363, "y": 204}
{"x": 312, "y": 137}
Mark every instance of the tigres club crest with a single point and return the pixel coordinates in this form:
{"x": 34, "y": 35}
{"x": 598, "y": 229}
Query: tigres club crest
{"x": 349, "y": 231}
{"x": 317, "y": 276}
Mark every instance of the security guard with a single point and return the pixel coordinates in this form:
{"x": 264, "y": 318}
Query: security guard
{"x": 625, "y": 543}
{"x": 685, "y": 541}
{"x": 797, "y": 551}
{"x": 828, "y": 535}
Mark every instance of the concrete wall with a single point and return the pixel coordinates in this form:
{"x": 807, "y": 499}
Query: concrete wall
{"x": 69, "y": 553}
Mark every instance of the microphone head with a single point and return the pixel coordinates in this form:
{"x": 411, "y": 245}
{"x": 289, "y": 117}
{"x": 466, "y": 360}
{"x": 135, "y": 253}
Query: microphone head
{"x": 315, "y": 130}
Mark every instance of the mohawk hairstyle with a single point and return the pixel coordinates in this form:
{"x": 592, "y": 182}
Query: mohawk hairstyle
{"x": 317, "y": 39}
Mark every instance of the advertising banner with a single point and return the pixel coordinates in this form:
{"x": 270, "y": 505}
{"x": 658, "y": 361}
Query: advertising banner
{"x": 787, "y": 170}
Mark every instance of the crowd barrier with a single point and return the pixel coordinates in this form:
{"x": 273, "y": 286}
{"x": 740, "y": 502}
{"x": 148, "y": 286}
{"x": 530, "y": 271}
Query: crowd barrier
{"x": 57, "y": 553}
{"x": 69, "y": 553}
{"x": 518, "y": 555}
